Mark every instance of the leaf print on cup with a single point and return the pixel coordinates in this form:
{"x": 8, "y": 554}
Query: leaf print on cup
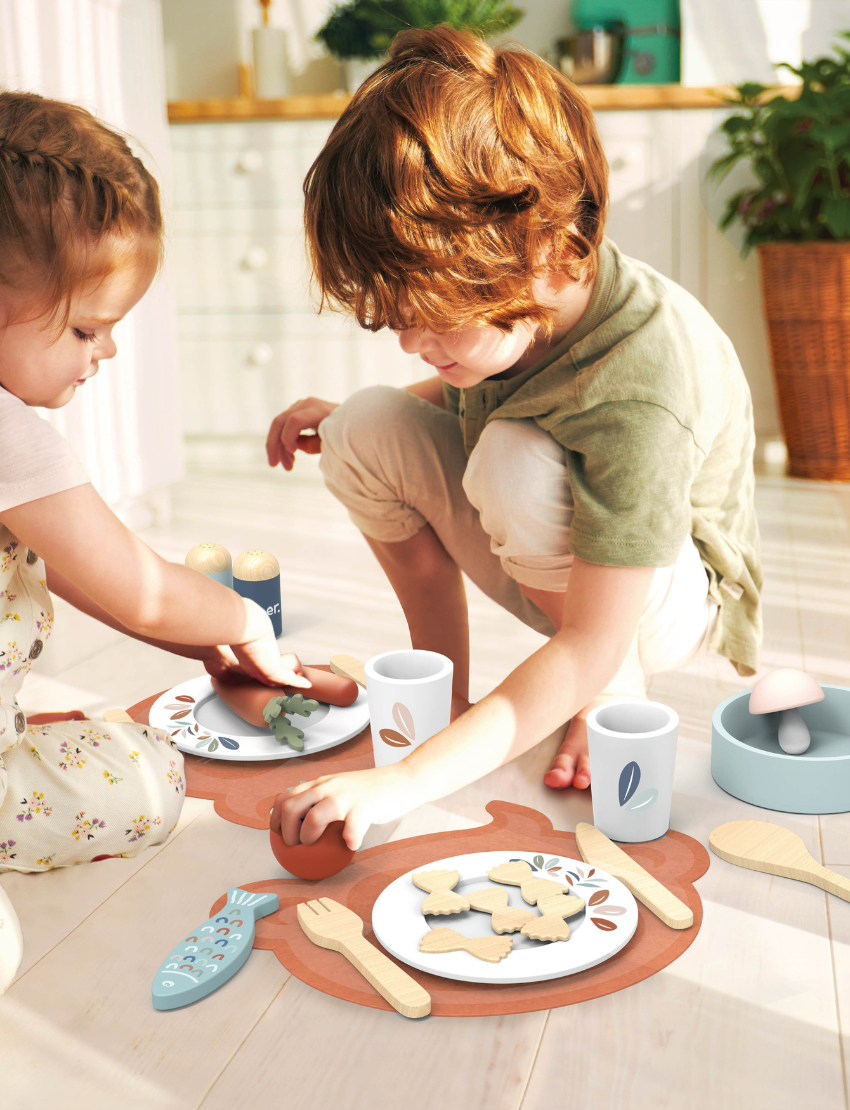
{"x": 404, "y": 719}
{"x": 644, "y": 800}
{"x": 629, "y": 779}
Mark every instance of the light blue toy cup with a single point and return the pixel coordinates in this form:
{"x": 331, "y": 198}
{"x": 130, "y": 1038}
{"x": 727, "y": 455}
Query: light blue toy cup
{"x": 747, "y": 762}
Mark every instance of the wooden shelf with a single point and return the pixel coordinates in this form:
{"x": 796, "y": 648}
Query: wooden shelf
{"x": 330, "y": 105}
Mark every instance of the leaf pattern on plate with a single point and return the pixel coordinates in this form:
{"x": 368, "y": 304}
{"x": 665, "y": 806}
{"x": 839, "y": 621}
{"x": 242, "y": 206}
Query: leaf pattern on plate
{"x": 611, "y": 911}
{"x": 184, "y": 697}
{"x": 604, "y": 924}
{"x": 538, "y": 861}
{"x": 180, "y": 715}
{"x": 226, "y": 742}
{"x": 591, "y": 872}
{"x": 598, "y": 898}
{"x": 550, "y": 864}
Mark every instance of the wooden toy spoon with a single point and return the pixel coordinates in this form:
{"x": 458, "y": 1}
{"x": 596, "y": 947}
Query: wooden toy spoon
{"x": 491, "y": 949}
{"x": 762, "y": 846}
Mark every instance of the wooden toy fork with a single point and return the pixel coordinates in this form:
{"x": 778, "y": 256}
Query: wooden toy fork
{"x": 441, "y": 899}
{"x": 491, "y": 949}
{"x": 519, "y": 873}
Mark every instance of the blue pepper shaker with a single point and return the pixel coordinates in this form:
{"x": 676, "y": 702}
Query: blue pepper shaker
{"x": 256, "y": 574}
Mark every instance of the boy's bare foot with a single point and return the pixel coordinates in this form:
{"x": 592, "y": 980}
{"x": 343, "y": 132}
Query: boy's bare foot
{"x": 571, "y": 766}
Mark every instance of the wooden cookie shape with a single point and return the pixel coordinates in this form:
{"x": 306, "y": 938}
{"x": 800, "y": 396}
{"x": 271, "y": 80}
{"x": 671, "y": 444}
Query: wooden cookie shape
{"x": 550, "y": 925}
{"x": 491, "y": 949}
{"x": 493, "y": 900}
{"x": 519, "y": 873}
{"x": 440, "y": 898}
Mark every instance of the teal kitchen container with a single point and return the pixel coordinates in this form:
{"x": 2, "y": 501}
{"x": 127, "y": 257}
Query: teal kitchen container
{"x": 747, "y": 762}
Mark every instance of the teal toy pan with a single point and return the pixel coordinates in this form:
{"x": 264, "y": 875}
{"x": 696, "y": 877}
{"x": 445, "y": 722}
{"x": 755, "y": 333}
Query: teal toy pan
{"x": 747, "y": 762}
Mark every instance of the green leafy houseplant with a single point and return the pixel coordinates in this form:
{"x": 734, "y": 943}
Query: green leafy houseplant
{"x": 799, "y": 151}
{"x": 797, "y": 214}
{"x": 365, "y": 28}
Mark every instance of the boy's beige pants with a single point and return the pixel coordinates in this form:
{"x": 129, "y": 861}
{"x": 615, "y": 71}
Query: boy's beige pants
{"x": 503, "y": 515}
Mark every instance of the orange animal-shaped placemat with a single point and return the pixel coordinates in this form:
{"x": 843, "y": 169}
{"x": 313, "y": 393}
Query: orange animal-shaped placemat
{"x": 676, "y": 860}
{"x": 244, "y": 791}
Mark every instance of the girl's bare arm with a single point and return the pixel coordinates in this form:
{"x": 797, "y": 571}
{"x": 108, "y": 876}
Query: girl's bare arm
{"x": 85, "y": 544}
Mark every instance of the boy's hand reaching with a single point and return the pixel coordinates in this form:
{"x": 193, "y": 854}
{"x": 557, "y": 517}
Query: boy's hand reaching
{"x": 286, "y": 434}
{"x": 359, "y": 798}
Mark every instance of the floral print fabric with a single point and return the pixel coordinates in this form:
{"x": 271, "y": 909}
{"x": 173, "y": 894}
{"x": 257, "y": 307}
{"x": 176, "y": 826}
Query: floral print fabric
{"x": 70, "y": 791}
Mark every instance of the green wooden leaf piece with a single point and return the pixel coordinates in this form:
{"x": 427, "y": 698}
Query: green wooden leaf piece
{"x": 297, "y": 703}
{"x": 285, "y": 732}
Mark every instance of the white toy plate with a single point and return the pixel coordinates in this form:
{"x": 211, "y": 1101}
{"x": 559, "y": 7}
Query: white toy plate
{"x": 200, "y": 723}
{"x": 596, "y": 934}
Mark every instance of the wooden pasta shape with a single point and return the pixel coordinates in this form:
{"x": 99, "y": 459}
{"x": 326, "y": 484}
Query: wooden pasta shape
{"x": 441, "y": 898}
{"x": 505, "y": 918}
{"x": 491, "y": 949}
{"x": 519, "y": 873}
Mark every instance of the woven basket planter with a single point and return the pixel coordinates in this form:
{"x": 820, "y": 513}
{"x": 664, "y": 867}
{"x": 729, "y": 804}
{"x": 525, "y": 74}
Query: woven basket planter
{"x": 806, "y": 290}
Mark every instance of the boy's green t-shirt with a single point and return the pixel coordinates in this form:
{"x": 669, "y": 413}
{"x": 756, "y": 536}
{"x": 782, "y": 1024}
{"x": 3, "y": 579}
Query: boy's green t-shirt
{"x": 648, "y": 398}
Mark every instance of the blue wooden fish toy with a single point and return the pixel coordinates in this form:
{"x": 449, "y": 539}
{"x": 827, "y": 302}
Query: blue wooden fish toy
{"x": 212, "y": 953}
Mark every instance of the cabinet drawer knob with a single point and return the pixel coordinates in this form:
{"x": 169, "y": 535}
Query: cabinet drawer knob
{"x": 260, "y": 354}
{"x": 249, "y": 161}
{"x": 255, "y": 258}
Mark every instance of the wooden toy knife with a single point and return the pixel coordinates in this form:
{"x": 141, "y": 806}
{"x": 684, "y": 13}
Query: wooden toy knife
{"x": 597, "y": 850}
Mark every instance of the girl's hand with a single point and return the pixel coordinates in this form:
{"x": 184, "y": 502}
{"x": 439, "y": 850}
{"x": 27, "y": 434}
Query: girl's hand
{"x": 359, "y": 798}
{"x": 260, "y": 660}
{"x": 286, "y": 434}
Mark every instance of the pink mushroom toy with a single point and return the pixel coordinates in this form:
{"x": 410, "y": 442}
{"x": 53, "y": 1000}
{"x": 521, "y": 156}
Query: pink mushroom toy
{"x": 782, "y": 692}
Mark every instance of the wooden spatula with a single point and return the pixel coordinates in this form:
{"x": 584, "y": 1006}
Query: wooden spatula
{"x": 333, "y": 926}
{"x": 349, "y": 667}
{"x": 762, "y": 846}
{"x": 598, "y": 850}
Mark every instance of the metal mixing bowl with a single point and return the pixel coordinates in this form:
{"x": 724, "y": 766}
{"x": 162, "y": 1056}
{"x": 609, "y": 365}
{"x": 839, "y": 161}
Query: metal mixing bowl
{"x": 593, "y": 56}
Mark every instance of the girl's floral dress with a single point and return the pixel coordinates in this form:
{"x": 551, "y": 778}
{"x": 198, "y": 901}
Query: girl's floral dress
{"x": 70, "y": 791}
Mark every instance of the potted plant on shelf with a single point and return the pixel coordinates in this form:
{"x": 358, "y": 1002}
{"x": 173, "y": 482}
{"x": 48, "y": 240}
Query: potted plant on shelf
{"x": 359, "y": 32}
{"x": 797, "y": 215}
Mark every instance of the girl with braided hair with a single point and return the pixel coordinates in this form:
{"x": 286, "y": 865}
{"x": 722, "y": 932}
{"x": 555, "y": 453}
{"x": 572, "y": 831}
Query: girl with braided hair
{"x": 80, "y": 242}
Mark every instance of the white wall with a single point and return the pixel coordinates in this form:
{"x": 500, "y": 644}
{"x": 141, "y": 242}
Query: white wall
{"x": 107, "y": 56}
{"x": 745, "y": 40}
